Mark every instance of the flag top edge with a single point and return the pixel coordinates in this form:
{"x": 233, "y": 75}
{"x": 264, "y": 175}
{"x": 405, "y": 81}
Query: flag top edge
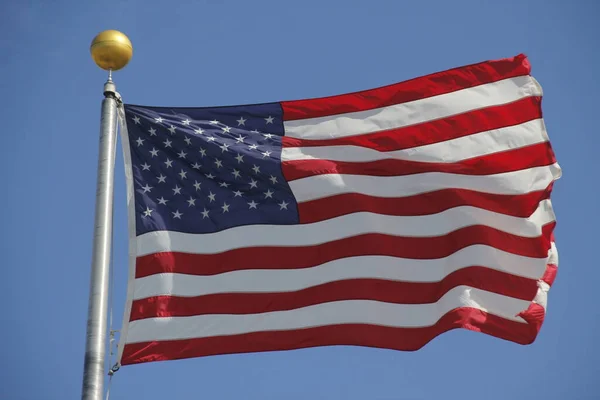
{"x": 520, "y": 60}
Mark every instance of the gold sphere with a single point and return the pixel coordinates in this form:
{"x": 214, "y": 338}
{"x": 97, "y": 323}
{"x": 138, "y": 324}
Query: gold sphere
{"x": 111, "y": 50}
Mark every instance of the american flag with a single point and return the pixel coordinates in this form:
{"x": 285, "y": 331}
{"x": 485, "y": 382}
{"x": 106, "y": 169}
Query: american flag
{"x": 380, "y": 218}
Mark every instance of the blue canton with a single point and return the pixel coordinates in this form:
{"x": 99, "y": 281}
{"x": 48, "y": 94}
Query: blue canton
{"x": 203, "y": 170}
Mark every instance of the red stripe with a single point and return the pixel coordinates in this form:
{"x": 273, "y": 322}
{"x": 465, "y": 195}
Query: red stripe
{"x": 536, "y": 155}
{"x": 407, "y": 339}
{"x": 436, "y": 131}
{"x": 550, "y": 274}
{"x": 421, "y": 204}
{"x": 414, "y": 89}
{"x": 372, "y": 244}
{"x": 351, "y": 289}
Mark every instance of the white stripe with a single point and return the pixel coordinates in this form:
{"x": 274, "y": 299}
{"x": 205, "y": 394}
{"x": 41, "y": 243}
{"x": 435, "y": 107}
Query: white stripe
{"x": 553, "y": 254}
{"x": 414, "y": 112}
{"x": 342, "y": 227}
{"x": 516, "y": 182}
{"x": 541, "y": 296}
{"x": 332, "y": 313}
{"x": 476, "y": 145}
{"x": 365, "y": 267}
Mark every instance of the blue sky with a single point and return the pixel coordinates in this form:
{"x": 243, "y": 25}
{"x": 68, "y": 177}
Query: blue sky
{"x": 201, "y": 53}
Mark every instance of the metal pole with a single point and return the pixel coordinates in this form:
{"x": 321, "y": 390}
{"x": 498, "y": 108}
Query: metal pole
{"x": 95, "y": 347}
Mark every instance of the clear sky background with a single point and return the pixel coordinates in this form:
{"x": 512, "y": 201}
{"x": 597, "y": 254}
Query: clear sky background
{"x": 203, "y": 53}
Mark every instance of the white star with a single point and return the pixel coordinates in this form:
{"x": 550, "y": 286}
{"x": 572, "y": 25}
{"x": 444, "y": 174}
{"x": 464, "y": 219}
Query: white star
{"x": 236, "y": 173}
{"x": 256, "y": 169}
{"x": 237, "y": 193}
{"x": 183, "y": 174}
{"x": 199, "y": 131}
{"x": 218, "y": 163}
{"x": 191, "y": 201}
{"x": 154, "y": 152}
{"x": 152, "y": 131}
{"x": 224, "y": 148}
{"x": 197, "y": 185}
{"x": 172, "y": 129}
{"x": 210, "y": 176}
{"x": 147, "y": 188}
{"x": 211, "y": 196}
{"x": 266, "y": 154}
{"x": 176, "y": 190}
{"x": 240, "y": 139}
{"x": 273, "y": 179}
{"x": 202, "y": 152}
{"x": 269, "y": 194}
{"x": 139, "y": 141}
{"x": 211, "y": 139}
{"x": 224, "y": 184}
{"x": 283, "y": 205}
{"x": 226, "y": 129}
{"x": 182, "y": 154}
{"x": 205, "y": 213}
{"x": 214, "y": 122}
{"x": 268, "y": 135}
{"x": 252, "y": 204}
{"x": 162, "y": 201}
{"x": 177, "y": 214}
{"x": 241, "y": 121}
{"x": 186, "y": 122}
{"x": 136, "y": 119}
{"x": 253, "y": 183}
{"x": 253, "y": 147}
{"x": 159, "y": 120}
{"x": 148, "y": 212}
{"x": 167, "y": 143}
{"x": 269, "y": 119}
{"x": 169, "y": 163}
{"x": 225, "y": 207}
{"x": 145, "y": 167}
{"x": 188, "y": 141}
{"x": 162, "y": 178}
{"x": 196, "y": 166}
{"x": 239, "y": 158}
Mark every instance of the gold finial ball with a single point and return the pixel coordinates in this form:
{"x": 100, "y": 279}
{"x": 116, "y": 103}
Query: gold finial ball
{"x": 111, "y": 50}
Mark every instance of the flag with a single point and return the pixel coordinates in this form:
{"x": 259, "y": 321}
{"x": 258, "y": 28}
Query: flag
{"x": 380, "y": 218}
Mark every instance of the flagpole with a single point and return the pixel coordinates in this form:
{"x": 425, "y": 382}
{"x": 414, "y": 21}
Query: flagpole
{"x": 111, "y": 50}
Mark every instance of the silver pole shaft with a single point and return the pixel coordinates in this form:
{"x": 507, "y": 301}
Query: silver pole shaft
{"x": 95, "y": 347}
